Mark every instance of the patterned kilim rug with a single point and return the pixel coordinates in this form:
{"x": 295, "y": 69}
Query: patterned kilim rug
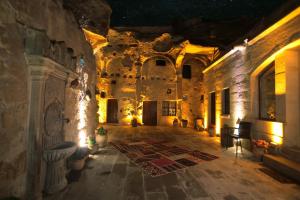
{"x": 158, "y": 158}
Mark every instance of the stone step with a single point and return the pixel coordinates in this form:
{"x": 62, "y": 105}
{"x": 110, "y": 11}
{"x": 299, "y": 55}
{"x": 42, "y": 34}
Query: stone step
{"x": 283, "y": 165}
{"x": 291, "y": 153}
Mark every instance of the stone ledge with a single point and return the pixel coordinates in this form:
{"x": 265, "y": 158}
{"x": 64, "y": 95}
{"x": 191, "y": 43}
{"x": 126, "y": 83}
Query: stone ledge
{"x": 284, "y": 166}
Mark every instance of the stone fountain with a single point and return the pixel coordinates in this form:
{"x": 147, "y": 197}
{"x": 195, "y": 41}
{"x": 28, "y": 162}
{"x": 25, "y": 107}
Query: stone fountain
{"x": 56, "y": 173}
{"x": 52, "y": 67}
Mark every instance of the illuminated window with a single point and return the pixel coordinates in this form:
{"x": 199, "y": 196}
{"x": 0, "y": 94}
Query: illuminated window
{"x": 226, "y": 102}
{"x": 186, "y": 72}
{"x": 169, "y": 108}
{"x": 267, "y": 97}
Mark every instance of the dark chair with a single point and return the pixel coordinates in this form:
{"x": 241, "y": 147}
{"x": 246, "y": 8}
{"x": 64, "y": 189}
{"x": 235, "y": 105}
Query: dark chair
{"x": 244, "y": 132}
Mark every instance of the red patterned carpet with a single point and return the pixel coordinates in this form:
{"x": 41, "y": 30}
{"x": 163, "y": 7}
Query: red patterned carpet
{"x": 158, "y": 158}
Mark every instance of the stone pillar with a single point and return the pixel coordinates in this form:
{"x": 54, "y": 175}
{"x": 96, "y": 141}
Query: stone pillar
{"x": 287, "y": 95}
{"x": 38, "y": 76}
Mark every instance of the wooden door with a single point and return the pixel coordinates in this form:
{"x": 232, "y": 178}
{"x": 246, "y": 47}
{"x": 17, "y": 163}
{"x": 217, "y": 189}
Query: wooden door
{"x": 112, "y": 111}
{"x": 213, "y": 108}
{"x": 150, "y": 113}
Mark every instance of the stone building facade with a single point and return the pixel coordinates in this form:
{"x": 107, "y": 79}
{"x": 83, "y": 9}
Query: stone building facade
{"x": 262, "y": 78}
{"x": 144, "y": 79}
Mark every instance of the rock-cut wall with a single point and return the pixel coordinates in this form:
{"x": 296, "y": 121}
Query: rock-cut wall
{"x": 48, "y": 19}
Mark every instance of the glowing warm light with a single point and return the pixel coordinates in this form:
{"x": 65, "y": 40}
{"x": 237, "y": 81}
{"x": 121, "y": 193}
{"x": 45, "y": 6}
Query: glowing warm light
{"x": 280, "y": 84}
{"x": 189, "y": 48}
{"x": 128, "y": 90}
{"x": 274, "y": 55}
{"x": 140, "y": 116}
{"x": 277, "y": 132}
{"x": 198, "y": 49}
{"x": 82, "y": 123}
{"x": 235, "y": 49}
{"x": 218, "y": 124}
{"x": 102, "y": 109}
{"x": 238, "y": 111}
{"x": 82, "y": 139}
{"x": 278, "y": 24}
{"x": 206, "y": 119}
{"x": 97, "y": 41}
{"x": 218, "y": 115}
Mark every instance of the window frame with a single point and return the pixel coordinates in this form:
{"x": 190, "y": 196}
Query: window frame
{"x": 261, "y": 74}
{"x": 169, "y": 108}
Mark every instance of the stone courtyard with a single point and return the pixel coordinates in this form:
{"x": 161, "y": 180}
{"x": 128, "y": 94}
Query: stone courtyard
{"x": 109, "y": 175}
{"x": 137, "y": 99}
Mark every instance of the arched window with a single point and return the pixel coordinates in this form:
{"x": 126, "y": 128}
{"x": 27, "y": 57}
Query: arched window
{"x": 267, "y": 97}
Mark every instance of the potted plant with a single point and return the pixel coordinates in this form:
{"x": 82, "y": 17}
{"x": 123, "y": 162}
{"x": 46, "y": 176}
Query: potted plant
{"x": 101, "y": 137}
{"x": 92, "y": 145}
{"x": 77, "y": 160}
{"x": 184, "y": 123}
{"x": 175, "y": 122}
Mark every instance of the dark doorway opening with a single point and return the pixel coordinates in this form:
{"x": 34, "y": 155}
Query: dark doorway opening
{"x": 112, "y": 111}
{"x": 187, "y": 72}
{"x": 150, "y": 113}
{"x": 213, "y": 108}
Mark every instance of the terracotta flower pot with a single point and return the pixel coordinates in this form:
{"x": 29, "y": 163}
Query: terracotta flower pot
{"x": 184, "y": 123}
{"x": 101, "y": 140}
{"x": 77, "y": 160}
{"x": 77, "y": 164}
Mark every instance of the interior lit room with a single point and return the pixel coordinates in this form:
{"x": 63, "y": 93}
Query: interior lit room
{"x": 149, "y": 100}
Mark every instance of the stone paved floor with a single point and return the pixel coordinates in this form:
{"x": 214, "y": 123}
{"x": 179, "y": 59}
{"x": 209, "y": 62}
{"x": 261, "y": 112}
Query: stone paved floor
{"x": 111, "y": 176}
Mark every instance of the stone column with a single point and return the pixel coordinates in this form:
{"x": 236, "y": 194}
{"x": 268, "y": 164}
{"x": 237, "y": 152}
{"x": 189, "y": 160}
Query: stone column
{"x": 38, "y": 76}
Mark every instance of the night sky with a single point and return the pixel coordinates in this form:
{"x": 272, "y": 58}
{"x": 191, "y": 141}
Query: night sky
{"x": 166, "y": 12}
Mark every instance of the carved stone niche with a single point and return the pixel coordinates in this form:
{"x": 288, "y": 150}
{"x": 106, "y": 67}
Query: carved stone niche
{"x": 38, "y": 43}
{"x": 70, "y": 59}
{"x": 48, "y": 82}
{"x": 58, "y": 52}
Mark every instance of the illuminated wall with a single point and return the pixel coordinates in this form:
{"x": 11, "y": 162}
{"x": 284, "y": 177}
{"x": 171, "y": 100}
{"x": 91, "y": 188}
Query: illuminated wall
{"x": 239, "y": 70}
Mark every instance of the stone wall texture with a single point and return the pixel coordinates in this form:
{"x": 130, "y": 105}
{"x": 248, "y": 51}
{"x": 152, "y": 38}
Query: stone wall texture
{"x": 58, "y": 24}
{"x": 128, "y": 72}
{"x": 235, "y": 72}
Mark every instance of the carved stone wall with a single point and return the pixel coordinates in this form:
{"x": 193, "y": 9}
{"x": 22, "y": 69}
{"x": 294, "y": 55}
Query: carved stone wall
{"x": 53, "y": 112}
{"x": 37, "y": 27}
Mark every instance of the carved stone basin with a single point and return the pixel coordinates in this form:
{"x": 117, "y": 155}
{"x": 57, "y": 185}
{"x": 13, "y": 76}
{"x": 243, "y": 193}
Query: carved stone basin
{"x": 59, "y": 152}
{"x": 56, "y": 166}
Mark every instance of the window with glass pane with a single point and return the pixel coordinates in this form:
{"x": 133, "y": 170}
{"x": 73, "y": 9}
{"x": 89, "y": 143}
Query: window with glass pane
{"x": 267, "y": 97}
{"x": 169, "y": 108}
